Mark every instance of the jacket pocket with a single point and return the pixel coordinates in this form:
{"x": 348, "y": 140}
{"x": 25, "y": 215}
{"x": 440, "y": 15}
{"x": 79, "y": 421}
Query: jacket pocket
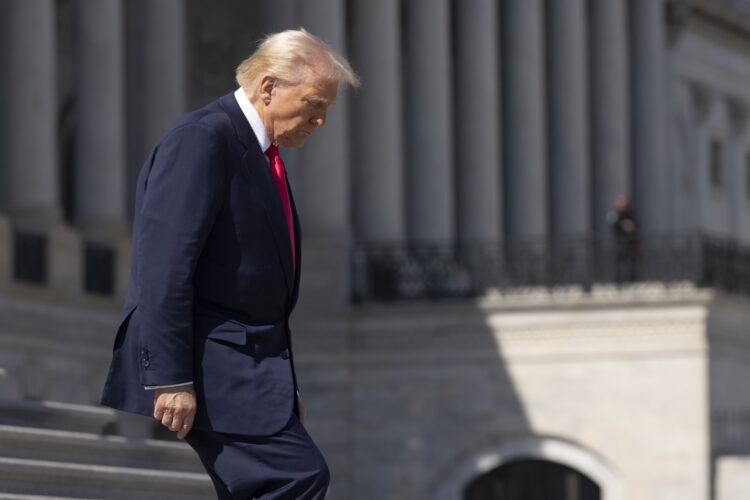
{"x": 214, "y": 326}
{"x": 228, "y": 332}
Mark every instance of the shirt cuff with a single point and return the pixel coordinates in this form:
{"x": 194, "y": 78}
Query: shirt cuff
{"x": 152, "y": 387}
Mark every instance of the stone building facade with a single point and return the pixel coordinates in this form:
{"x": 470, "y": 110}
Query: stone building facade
{"x": 460, "y": 329}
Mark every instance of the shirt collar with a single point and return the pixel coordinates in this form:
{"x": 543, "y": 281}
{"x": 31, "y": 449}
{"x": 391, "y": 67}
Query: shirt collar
{"x": 253, "y": 118}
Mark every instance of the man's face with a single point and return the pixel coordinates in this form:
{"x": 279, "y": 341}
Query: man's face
{"x": 622, "y": 203}
{"x": 294, "y": 112}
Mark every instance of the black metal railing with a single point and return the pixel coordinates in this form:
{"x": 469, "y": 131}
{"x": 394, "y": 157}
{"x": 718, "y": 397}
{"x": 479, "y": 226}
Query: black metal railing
{"x": 397, "y": 272}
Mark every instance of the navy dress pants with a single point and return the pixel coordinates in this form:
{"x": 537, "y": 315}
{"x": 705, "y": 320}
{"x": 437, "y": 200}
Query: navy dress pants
{"x": 284, "y": 466}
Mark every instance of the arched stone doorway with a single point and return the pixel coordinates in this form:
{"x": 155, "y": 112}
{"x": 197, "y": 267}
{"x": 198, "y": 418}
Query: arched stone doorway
{"x": 531, "y": 455}
{"x": 532, "y": 480}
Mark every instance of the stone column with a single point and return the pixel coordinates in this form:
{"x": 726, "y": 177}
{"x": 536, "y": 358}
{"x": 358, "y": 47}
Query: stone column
{"x": 377, "y": 189}
{"x": 100, "y": 148}
{"x": 477, "y": 113}
{"x": 648, "y": 127}
{"x": 704, "y": 101}
{"x": 5, "y": 125}
{"x": 322, "y": 187}
{"x": 568, "y": 118}
{"x": 6, "y": 232}
{"x": 157, "y": 75}
{"x": 610, "y": 116}
{"x": 736, "y": 169}
{"x": 30, "y": 185}
{"x": 524, "y": 133}
{"x": 429, "y": 121}
{"x": 685, "y": 158}
{"x": 157, "y": 90}
{"x": 280, "y": 15}
{"x": 742, "y": 151}
{"x": 164, "y": 59}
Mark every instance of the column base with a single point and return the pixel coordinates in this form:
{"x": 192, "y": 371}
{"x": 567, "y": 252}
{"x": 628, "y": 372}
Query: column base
{"x": 58, "y": 257}
{"x": 58, "y": 249}
{"x": 65, "y": 260}
{"x": 115, "y": 236}
{"x": 36, "y": 218}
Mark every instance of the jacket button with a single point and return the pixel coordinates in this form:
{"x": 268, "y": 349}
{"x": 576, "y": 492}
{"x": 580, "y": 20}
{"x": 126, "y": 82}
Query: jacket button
{"x": 285, "y": 354}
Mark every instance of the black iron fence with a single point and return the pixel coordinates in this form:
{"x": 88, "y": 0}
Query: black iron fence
{"x": 397, "y": 272}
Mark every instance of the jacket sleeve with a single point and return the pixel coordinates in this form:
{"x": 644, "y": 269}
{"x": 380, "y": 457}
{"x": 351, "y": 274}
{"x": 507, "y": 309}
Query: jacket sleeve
{"x": 183, "y": 193}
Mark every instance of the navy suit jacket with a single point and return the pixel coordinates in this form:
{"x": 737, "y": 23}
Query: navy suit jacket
{"x": 212, "y": 284}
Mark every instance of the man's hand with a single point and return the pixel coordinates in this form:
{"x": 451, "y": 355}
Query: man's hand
{"x": 175, "y": 408}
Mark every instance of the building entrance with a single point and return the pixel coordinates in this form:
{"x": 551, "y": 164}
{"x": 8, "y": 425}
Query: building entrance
{"x": 532, "y": 480}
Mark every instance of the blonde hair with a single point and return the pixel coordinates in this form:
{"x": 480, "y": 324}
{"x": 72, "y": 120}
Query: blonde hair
{"x": 292, "y": 56}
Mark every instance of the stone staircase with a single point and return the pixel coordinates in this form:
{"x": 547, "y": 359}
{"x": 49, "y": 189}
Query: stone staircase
{"x": 56, "y": 444}
{"x": 51, "y": 450}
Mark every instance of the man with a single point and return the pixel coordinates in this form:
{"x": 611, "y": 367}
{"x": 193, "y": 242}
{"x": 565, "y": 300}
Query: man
{"x": 624, "y": 227}
{"x": 203, "y": 343}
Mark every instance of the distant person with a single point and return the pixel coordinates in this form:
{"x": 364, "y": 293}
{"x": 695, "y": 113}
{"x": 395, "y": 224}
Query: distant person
{"x": 625, "y": 230}
{"x": 203, "y": 343}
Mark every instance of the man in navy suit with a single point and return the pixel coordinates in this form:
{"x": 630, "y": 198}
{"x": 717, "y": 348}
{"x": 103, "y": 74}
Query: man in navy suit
{"x": 203, "y": 342}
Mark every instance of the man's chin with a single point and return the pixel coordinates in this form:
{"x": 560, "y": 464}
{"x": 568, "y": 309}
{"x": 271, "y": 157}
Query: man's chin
{"x": 294, "y": 143}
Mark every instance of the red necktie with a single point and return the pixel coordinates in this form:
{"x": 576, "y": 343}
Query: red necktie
{"x": 279, "y": 179}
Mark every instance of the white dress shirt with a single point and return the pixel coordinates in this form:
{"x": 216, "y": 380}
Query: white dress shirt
{"x": 253, "y": 118}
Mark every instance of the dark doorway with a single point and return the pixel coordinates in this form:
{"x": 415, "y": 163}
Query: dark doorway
{"x": 532, "y": 480}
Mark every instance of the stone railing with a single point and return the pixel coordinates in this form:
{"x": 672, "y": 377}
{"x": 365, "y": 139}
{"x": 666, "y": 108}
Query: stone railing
{"x": 393, "y": 272}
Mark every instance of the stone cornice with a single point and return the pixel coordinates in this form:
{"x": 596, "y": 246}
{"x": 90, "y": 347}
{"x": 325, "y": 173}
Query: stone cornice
{"x": 730, "y": 14}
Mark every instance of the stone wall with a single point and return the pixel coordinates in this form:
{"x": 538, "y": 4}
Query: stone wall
{"x": 413, "y": 401}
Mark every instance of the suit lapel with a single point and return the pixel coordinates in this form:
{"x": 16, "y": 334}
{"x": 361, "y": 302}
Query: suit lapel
{"x": 297, "y": 247}
{"x": 259, "y": 172}
{"x": 256, "y": 167}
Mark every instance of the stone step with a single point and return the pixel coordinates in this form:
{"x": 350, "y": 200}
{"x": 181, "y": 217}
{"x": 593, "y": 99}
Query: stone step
{"x": 41, "y": 477}
{"x": 13, "y": 496}
{"x": 56, "y": 415}
{"x": 79, "y": 447}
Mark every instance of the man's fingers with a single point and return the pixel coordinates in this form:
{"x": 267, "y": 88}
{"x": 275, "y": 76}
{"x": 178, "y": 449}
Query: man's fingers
{"x": 166, "y": 419}
{"x": 179, "y": 420}
{"x": 187, "y": 424}
{"x": 176, "y": 423}
{"x": 158, "y": 411}
{"x": 184, "y": 430}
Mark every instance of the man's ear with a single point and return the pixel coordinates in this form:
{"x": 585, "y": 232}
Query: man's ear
{"x": 267, "y": 86}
